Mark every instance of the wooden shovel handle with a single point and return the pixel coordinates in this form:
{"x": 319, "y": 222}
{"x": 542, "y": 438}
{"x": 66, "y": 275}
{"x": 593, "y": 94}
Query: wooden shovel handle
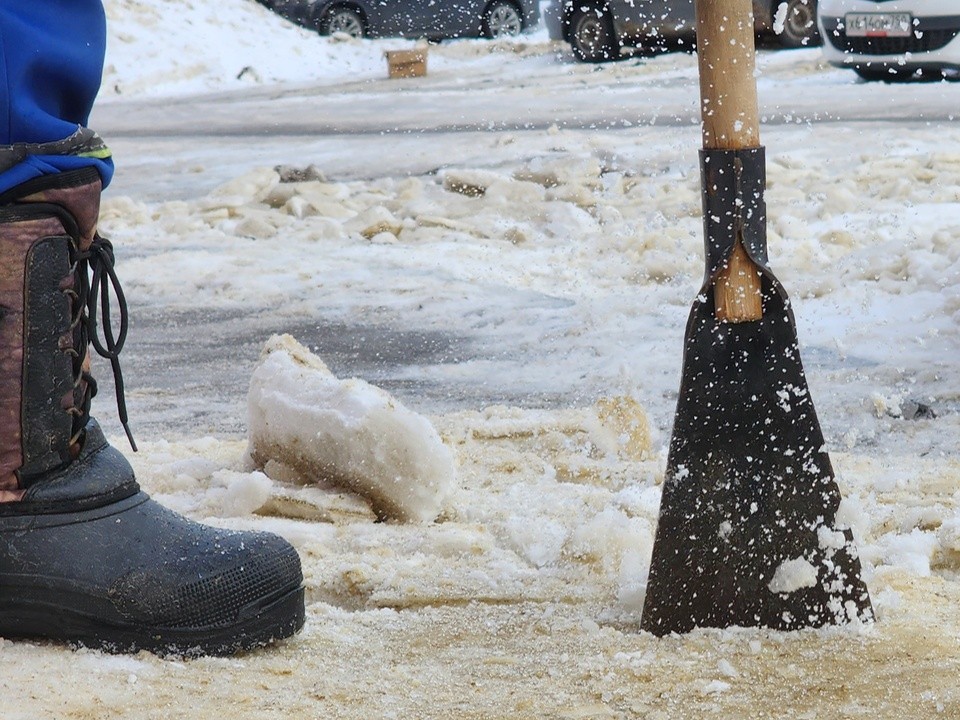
{"x": 728, "y": 108}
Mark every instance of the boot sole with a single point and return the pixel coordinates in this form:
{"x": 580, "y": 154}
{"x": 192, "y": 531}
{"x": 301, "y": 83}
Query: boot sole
{"x": 277, "y": 619}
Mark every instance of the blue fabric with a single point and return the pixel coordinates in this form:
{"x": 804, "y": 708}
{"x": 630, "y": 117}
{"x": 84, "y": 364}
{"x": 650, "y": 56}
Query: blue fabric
{"x": 51, "y": 62}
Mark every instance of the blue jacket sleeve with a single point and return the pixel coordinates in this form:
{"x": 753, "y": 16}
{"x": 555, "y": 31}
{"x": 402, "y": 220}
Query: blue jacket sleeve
{"x": 51, "y": 62}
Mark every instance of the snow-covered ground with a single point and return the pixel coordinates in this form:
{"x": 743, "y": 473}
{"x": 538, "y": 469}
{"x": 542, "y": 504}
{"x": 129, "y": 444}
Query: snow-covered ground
{"x": 525, "y": 289}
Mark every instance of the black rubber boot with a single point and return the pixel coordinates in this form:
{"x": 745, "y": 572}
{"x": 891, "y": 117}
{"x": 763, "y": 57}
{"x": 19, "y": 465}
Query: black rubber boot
{"x": 85, "y": 556}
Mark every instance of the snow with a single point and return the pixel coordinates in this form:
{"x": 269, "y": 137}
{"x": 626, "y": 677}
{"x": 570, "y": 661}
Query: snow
{"x": 177, "y": 46}
{"x": 347, "y": 432}
{"x": 522, "y": 292}
{"x": 779, "y": 16}
{"x": 793, "y": 574}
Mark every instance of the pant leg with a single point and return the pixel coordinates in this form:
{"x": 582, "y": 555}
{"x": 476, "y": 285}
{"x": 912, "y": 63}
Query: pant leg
{"x": 51, "y": 62}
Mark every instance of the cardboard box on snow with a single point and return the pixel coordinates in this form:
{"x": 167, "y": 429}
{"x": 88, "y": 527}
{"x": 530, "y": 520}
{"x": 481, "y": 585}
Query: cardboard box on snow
{"x": 407, "y": 63}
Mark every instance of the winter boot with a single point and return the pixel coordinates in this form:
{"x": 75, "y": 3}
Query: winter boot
{"x": 85, "y": 556}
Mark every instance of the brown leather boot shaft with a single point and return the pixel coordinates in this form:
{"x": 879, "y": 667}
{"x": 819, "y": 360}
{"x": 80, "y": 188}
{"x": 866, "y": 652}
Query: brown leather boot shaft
{"x": 37, "y": 389}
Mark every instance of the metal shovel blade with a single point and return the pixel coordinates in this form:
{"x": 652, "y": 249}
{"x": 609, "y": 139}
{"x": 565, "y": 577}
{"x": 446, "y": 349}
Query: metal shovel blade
{"x": 747, "y": 534}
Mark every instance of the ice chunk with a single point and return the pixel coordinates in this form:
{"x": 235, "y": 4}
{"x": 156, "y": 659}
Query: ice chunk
{"x": 346, "y": 432}
{"x": 373, "y": 221}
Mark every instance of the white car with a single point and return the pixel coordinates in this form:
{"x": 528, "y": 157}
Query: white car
{"x": 891, "y": 39}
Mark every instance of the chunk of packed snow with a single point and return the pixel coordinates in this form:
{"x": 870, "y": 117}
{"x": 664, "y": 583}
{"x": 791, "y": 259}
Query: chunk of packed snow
{"x": 792, "y": 575}
{"x": 346, "y": 432}
{"x": 913, "y": 551}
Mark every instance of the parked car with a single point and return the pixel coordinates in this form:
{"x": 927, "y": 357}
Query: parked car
{"x": 602, "y": 30}
{"x": 891, "y": 40}
{"x": 435, "y": 20}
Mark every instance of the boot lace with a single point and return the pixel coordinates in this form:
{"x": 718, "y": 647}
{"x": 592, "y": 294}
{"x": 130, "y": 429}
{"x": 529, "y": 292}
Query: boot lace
{"x": 96, "y": 280}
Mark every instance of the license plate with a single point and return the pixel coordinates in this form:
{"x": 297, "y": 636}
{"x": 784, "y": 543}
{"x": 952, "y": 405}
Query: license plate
{"x": 878, "y": 24}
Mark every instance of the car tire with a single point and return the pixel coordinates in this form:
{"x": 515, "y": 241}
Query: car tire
{"x": 340, "y": 18}
{"x": 592, "y": 37}
{"x": 502, "y": 19}
{"x": 883, "y": 73}
{"x": 799, "y": 25}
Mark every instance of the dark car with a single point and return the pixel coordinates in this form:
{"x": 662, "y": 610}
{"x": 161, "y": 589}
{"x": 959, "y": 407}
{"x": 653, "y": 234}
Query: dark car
{"x": 602, "y": 30}
{"x": 432, "y": 19}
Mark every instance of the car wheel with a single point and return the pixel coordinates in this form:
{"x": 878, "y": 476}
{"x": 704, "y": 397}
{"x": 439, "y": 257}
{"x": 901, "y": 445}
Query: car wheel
{"x": 800, "y": 23}
{"x": 341, "y": 19}
{"x": 502, "y": 19}
{"x": 591, "y": 35}
{"x": 883, "y": 73}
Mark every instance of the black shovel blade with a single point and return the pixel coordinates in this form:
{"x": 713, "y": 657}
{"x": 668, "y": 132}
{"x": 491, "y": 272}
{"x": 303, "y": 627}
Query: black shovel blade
{"x": 747, "y": 535}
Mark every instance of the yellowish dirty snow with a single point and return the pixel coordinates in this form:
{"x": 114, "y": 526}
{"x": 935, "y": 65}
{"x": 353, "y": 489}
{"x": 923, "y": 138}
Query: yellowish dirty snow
{"x": 519, "y": 604}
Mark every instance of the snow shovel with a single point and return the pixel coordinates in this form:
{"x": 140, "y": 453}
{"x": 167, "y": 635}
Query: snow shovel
{"x": 747, "y": 531}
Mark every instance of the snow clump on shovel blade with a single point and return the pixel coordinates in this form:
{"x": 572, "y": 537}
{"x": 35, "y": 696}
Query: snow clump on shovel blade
{"x": 792, "y": 575}
{"x": 346, "y": 432}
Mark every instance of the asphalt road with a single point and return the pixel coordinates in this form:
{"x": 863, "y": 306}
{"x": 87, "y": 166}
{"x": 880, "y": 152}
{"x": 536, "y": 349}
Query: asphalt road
{"x": 609, "y": 98}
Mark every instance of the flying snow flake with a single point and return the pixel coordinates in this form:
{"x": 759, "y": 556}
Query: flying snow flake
{"x": 779, "y": 18}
